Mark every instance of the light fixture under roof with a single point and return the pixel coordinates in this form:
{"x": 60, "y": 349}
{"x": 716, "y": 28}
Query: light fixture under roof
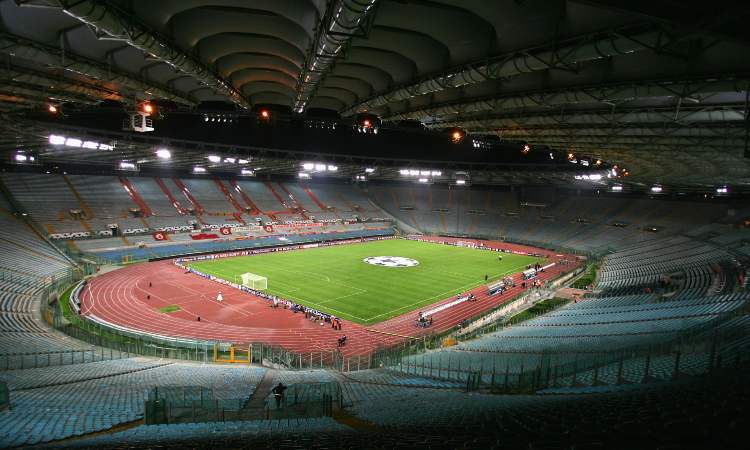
{"x": 73, "y": 142}
{"x": 56, "y": 140}
{"x": 214, "y": 158}
{"x": 163, "y": 153}
{"x": 198, "y": 169}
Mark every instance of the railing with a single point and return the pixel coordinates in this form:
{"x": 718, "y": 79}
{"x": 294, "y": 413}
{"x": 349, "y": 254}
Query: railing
{"x": 4, "y": 396}
{"x": 31, "y": 360}
{"x": 192, "y": 404}
{"x": 305, "y": 400}
{"x": 17, "y": 278}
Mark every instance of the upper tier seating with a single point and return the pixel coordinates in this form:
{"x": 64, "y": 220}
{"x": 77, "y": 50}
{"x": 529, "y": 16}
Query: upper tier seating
{"x": 261, "y": 195}
{"x": 210, "y": 197}
{"x": 157, "y": 201}
{"x": 25, "y": 254}
{"x": 47, "y": 199}
{"x": 584, "y": 223}
{"x": 107, "y": 200}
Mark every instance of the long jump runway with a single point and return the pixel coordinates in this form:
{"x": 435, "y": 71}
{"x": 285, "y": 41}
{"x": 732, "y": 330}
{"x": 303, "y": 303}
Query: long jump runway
{"x": 132, "y": 296}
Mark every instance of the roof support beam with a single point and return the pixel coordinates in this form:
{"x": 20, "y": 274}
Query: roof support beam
{"x": 553, "y": 55}
{"x": 343, "y": 20}
{"x": 32, "y": 92}
{"x": 649, "y": 141}
{"x": 53, "y": 57}
{"x": 691, "y": 91}
{"x": 621, "y": 118}
{"x": 114, "y": 24}
{"x": 641, "y": 130}
{"x": 52, "y": 83}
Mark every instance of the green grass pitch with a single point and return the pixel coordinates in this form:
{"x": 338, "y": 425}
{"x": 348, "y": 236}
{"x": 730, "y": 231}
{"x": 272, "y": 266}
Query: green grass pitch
{"x": 337, "y": 281}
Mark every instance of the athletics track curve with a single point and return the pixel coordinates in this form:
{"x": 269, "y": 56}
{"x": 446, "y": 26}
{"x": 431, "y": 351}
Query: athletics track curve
{"x": 131, "y": 296}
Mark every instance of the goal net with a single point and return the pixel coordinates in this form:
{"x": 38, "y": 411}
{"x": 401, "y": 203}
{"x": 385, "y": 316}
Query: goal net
{"x": 254, "y": 281}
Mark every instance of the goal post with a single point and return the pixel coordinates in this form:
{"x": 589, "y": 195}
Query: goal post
{"x": 255, "y": 282}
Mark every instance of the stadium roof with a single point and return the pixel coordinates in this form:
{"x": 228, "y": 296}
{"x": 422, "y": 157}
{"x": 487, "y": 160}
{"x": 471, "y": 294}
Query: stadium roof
{"x": 659, "y": 87}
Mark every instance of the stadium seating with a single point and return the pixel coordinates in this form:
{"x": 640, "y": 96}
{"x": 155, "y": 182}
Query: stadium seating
{"x": 585, "y": 223}
{"x": 61, "y": 387}
{"x": 49, "y": 198}
{"x": 84, "y": 398}
{"x": 584, "y": 331}
{"x": 296, "y": 431}
{"x": 25, "y": 254}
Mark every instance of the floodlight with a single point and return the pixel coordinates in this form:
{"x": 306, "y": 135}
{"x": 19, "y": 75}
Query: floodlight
{"x": 56, "y": 140}
{"x": 163, "y": 153}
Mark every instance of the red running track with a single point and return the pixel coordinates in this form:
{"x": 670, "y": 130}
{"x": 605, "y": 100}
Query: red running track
{"x": 131, "y": 297}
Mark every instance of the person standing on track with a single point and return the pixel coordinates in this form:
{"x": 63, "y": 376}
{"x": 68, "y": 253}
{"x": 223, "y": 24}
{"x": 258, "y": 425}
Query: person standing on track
{"x": 219, "y": 298}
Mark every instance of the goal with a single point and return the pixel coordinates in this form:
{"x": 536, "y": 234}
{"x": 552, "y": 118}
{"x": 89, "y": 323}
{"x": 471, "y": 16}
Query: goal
{"x": 254, "y": 281}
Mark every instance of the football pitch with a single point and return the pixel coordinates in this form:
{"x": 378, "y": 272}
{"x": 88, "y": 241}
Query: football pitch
{"x": 337, "y": 279}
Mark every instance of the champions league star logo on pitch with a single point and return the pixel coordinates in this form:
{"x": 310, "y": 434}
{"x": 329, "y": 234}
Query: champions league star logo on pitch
{"x": 391, "y": 261}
